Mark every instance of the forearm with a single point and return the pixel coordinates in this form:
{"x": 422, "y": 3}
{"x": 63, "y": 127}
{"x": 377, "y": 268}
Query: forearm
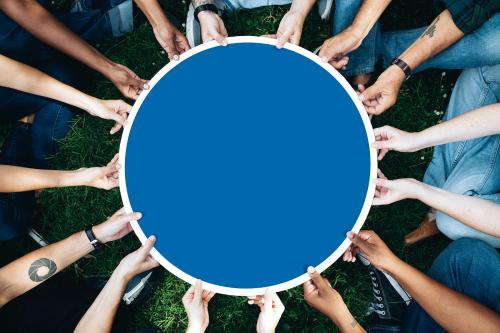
{"x": 100, "y": 316}
{"x": 34, "y": 268}
{"x": 31, "y": 16}
{"x": 440, "y": 34}
{"x": 474, "y": 124}
{"x": 19, "y": 179}
{"x": 477, "y": 213}
{"x": 368, "y": 15}
{"x": 344, "y": 320}
{"x": 302, "y": 6}
{"x": 455, "y": 312}
{"x": 153, "y": 12}
{"x": 28, "y": 79}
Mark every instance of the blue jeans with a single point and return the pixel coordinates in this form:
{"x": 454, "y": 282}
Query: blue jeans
{"x": 469, "y": 167}
{"x": 249, "y": 4}
{"x": 480, "y": 48}
{"x": 468, "y": 266}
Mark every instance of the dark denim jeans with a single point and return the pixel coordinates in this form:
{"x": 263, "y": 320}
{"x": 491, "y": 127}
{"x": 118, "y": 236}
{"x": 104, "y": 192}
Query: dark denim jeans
{"x": 469, "y": 266}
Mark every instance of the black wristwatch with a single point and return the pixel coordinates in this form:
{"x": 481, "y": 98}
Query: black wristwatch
{"x": 203, "y": 8}
{"x": 404, "y": 67}
{"x": 92, "y": 239}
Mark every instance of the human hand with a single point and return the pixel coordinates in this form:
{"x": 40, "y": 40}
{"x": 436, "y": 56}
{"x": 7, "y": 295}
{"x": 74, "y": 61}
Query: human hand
{"x": 212, "y": 27}
{"x": 195, "y": 303}
{"x": 390, "y": 138}
{"x": 116, "y": 110}
{"x": 138, "y": 261}
{"x": 126, "y": 81}
{"x": 271, "y": 309}
{"x": 374, "y": 249}
{"x": 104, "y": 178}
{"x": 171, "y": 40}
{"x": 319, "y": 294}
{"x": 335, "y": 49}
{"x": 115, "y": 227}
{"x": 384, "y": 92}
{"x": 290, "y": 28}
{"x": 390, "y": 191}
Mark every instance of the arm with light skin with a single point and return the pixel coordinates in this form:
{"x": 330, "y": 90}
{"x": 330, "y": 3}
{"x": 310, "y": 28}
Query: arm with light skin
{"x": 19, "y": 179}
{"x": 271, "y": 310}
{"x": 477, "y": 213}
{"x": 195, "y": 303}
{"x": 319, "y": 294}
{"x": 101, "y": 314}
{"x": 167, "y": 35}
{"x": 36, "y": 267}
{"x": 455, "y": 312}
{"x": 30, "y": 15}
{"x": 292, "y": 23}
{"x": 478, "y": 123}
{"x": 439, "y": 35}
{"x": 335, "y": 49}
{"x": 212, "y": 26}
{"x": 16, "y": 75}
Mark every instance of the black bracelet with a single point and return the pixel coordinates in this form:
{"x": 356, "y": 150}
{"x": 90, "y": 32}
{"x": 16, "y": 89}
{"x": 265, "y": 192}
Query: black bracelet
{"x": 92, "y": 239}
{"x": 207, "y": 7}
{"x": 404, "y": 67}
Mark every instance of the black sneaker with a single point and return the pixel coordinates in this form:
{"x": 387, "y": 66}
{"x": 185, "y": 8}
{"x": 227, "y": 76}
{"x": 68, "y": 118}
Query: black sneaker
{"x": 390, "y": 300}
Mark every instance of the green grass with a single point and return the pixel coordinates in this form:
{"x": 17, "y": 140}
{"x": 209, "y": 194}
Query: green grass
{"x": 64, "y": 211}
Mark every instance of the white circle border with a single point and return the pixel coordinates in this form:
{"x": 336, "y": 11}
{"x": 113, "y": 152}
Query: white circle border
{"x": 343, "y": 246}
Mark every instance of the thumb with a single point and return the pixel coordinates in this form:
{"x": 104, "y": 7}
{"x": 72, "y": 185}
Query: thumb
{"x": 370, "y": 93}
{"x": 268, "y": 300}
{"x": 148, "y": 245}
{"x": 283, "y": 39}
{"x": 316, "y": 278}
{"x": 358, "y": 241}
{"x": 198, "y": 291}
{"x": 329, "y": 53}
{"x": 383, "y": 144}
{"x": 385, "y": 183}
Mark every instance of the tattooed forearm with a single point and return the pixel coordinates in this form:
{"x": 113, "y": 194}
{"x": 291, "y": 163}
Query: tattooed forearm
{"x": 42, "y": 269}
{"x": 197, "y": 3}
{"x": 431, "y": 29}
{"x": 354, "y": 323}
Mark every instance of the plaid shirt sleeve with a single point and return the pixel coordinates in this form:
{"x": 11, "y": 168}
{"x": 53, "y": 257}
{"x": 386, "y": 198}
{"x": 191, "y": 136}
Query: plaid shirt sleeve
{"x": 469, "y": 15}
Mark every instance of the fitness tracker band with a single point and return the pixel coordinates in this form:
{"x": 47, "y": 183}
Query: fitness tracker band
{"x": 207, "y": 7}
{"x": 404, "y": 67}
{"x": 92, "y": 239}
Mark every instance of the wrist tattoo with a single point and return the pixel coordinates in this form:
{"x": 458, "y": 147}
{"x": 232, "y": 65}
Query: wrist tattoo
{"x": 431, "y": 29}
{"x": 354, "y": 323}
{"x": 42, "y": 269}
{"x": 197, "y": 3}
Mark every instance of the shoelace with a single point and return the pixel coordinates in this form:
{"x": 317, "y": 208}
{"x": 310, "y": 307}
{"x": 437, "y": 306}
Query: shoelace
{"x": 376, "y": 306}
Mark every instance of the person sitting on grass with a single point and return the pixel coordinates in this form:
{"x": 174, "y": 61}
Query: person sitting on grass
{"x": 460, "y": 293}
{"x": 463, "y": 35}
{"x": 18, "y": 186}
{"x": 35, "y": 298}
{"x": 466, "y": 161}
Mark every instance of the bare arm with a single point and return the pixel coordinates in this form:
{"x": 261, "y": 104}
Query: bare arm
{"x": 21, "y": 77}
{"x": 477, "y": 213}
{"x": 454, "y": 311}
{"x": 34, "y": 268}
{"x": 31, "y": 16}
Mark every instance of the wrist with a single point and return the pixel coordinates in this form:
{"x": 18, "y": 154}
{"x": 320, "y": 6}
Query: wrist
{"x": 419, "y": 190}
{"x": 205, "y": 15}
{"x": 194, "y": 328}
{"x": 397, "y": 73}
{"x": 99, "y": 234}
{"x": 420, "y": 140}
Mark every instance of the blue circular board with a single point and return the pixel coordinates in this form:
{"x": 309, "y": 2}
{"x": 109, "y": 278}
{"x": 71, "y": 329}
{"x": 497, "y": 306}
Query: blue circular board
{"x": 249, "y": 163}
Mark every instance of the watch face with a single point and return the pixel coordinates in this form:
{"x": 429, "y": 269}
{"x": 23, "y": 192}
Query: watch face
{"x": 249, "y": 163}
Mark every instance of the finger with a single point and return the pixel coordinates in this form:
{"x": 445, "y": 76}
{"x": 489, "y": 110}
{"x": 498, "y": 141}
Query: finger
{"x": 189, "y": 294}
{"x": 382, "y": 154}
{"x": 340, "y": 63}
{"x": 316, "y": 278}
{"x": 385, "y": 183}
{"x": 198, "y": 291}
{"x": 209, "y": 296}
{"x": 358, "y": 241}
{"x": 268, "y": 300}
{"x": 273, "y": 36}
{"x": 370, "y": 93}
{"x": 278, "y": 304}
{"x": 119, "y": 212}
{"x": 114, "y": 160}
{"x": 171, "y": 49}
{"x": 283, "y": 38}
{"x": 309, "y": 287}
{"x": 367, "y": 235}
{"x": 148, "y": 245}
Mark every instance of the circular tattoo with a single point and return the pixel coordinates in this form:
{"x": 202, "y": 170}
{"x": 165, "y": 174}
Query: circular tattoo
{"x": 42, "y": 269}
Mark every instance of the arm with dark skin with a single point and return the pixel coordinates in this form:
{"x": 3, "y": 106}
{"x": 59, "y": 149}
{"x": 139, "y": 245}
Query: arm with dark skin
{"x": 31, "y": 16}
{"x": 36, "y": 267}
{"x": 439, "y": 35}
{"x": 454, "y": 311}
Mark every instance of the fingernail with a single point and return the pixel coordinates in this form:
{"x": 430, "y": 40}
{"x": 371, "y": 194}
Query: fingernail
{"x": 118, "y": 166}
{"x": 138, "y": 215}
{"x": 324, "y": 59}
{"x": 224, "y": 43}
{"x": 350, "y": 234}
{"x": 145, "y": 86}
{"x": 361, "y": 97}
{"x": 250, "y": 302}
{"x": 176, "y": 57}
{"x": 311, "y": 270}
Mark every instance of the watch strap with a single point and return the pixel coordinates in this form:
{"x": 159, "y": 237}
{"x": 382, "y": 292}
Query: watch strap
{"x": 92, "y": 239}
{"x": 404, "y": 67}
{"x": 206, "y": 7}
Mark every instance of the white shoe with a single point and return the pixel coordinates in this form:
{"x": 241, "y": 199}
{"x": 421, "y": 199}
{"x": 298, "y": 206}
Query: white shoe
{"x": 193, "y": 29}
{"x": 325, "y": 8}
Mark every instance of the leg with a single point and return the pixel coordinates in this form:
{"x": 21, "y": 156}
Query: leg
{"x": 250, "y": 4}
{"x": 468, "y": 266}
{"x": 480, "y": 48}
{"x": 362, "y": 60}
